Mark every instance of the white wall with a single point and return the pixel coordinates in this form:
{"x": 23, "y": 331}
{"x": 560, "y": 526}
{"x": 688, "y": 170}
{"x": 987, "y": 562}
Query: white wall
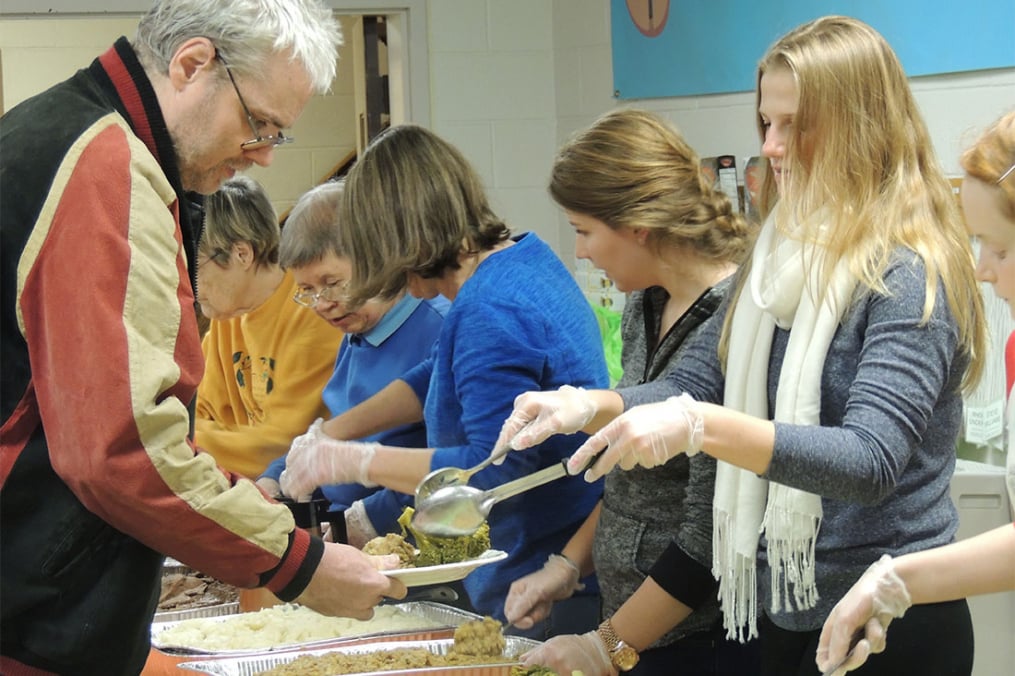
{"x": 492, "y": 94}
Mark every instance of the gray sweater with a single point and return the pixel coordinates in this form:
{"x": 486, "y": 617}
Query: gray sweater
{"x": 884, "y": 453}
{"x": 645, "y": 510}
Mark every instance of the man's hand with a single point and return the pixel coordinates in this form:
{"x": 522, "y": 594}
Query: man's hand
{"x": 347, "y": 583}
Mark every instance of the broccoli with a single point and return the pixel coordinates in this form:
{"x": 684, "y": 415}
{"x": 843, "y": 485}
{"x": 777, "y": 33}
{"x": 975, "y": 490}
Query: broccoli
{"x": 437, "y": 550}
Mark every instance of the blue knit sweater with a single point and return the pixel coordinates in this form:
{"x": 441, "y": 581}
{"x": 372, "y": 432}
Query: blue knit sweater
{"x": 519, "y": 323}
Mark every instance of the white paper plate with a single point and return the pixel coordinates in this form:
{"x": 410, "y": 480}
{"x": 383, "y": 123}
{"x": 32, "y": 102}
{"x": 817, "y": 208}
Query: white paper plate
{"x": 445, "y": 572}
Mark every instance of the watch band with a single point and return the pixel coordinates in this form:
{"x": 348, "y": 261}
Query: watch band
{"x": 609, "y": 635}
{"x": 622, "y": 656}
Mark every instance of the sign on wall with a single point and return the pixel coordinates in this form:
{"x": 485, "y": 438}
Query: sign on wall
{"x": 664, "y": 48}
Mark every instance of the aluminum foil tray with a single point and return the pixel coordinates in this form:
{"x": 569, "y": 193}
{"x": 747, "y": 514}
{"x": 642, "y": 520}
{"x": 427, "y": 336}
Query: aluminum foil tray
{"x": 446, "y": 617}
{"x": 172, "y": 566}
{"x": 166, "y": 617}
{"x": 254, "y": 664}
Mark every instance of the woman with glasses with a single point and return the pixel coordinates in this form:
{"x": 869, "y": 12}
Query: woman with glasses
{"x": 383, "y": 337}
{"x": 416, "y": 218}
{"x": 267, "y": 358}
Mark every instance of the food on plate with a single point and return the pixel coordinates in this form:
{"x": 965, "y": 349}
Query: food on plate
{"x": 392, "y": 543}
{"x": 434, "y": 551}
{"x": 285, "y": 624}
{"x": 429, "y": 550}
{"x": 191, "y": 589}
{"x": 477, "y": 634}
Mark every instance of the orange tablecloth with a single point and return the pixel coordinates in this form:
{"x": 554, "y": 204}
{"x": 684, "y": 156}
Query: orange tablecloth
{"x": 161, "y": 664}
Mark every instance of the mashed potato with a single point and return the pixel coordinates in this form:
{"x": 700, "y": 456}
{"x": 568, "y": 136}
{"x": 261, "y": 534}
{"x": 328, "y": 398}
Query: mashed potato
{"x": 282, "y": 625}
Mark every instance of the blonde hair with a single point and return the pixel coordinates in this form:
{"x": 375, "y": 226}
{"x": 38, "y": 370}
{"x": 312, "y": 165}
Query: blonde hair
{"x": 991, "y": 156}
{"x": 632, "y": 169}
{"x": 863, "y": 176}
{"x": 413, "y": 204}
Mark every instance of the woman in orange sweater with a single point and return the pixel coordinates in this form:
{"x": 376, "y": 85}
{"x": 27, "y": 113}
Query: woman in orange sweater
{"x": 267, "y": 357}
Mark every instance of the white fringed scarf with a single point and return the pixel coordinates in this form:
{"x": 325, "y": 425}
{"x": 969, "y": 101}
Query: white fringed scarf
{"x": 778, "y": 293}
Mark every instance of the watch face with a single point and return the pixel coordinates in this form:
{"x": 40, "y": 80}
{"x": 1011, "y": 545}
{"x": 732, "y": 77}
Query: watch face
{"x": 625, "y": 657}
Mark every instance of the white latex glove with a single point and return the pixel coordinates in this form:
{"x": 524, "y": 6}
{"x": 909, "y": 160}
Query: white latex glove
{"x": 539, "y": 415}
{"x": 646, "y": 435}
{"x": 568, "y": 653}
{"x": 347, "y": 583}
{"x": 315, "y": 459}
{"x": 878, "y": 597}
{"x": 530, "y": 598}
{"x": 269, "y": 486}
{"x": 359, "y": 530}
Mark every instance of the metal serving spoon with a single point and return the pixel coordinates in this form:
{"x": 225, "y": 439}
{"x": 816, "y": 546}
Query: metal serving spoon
{"x": 453, "y": 476}
{"x": 455, "y": 511}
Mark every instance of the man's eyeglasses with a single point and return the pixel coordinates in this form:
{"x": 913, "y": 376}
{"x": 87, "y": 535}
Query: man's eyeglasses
{"x": 258, "y": 141}
{"x": 333, "y": 293}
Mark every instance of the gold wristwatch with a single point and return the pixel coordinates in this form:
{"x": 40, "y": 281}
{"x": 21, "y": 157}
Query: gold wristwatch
{"x": 623, "y": 656}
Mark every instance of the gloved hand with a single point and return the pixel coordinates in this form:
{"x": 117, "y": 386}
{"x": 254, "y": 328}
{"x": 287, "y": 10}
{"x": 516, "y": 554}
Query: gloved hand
{"x": 646, "y": 435}
{"x": 870, "y": 605}
{"x": 568, "y": 653}
{"x": 269, "y": 486}
{"x": 315, "y": 459}
{"x": 359, "y": 529}
{"x": 539, "y": 415}
{"x": 530, "y": 598}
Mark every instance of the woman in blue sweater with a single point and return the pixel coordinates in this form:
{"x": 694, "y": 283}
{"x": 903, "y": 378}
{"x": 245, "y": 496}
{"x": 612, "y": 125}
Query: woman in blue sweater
{"x": 420, "y": 221}
{"x": 830, "y": 389}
